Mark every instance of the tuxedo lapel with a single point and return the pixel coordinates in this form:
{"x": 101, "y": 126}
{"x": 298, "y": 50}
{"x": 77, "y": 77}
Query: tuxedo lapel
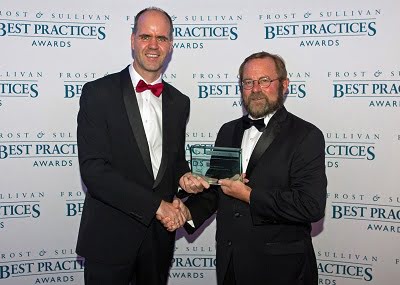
{"x": 270, "y": 133}
{"x": 167, "y": 131}
{"x": 238, "y": 134}
{"x": 135, "y": 120}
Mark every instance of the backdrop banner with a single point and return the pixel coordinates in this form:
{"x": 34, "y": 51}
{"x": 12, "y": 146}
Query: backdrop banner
{"x": 344, "y": 70}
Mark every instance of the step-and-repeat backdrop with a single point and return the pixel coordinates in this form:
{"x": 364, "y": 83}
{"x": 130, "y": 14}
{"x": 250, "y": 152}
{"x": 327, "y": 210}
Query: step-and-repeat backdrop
{"x": 344, "y": 66}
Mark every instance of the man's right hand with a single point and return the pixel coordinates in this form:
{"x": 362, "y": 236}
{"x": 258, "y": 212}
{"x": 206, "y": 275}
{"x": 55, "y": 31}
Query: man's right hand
{"x": 175, "y": 216}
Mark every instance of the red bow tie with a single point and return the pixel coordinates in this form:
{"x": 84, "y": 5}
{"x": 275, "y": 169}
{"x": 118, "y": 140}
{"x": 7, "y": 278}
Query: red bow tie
{"x": 156, "y": 89}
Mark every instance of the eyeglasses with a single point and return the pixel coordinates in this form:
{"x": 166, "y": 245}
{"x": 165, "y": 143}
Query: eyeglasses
{"x": 264, "y": 82}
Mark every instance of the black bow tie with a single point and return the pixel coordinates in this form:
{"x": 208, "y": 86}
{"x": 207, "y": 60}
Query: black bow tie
{"x": 248, "y": 123}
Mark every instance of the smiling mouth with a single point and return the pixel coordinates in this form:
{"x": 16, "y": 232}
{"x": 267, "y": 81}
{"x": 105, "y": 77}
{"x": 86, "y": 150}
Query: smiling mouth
{"x": 149, "y": 55}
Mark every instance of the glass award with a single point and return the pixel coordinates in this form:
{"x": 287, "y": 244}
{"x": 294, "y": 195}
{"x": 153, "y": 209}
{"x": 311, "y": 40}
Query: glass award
{"x": 214, "y": 163}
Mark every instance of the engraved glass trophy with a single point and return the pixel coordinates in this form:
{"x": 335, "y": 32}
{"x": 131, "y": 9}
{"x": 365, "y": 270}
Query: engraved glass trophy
{"x": 214, "y": 163}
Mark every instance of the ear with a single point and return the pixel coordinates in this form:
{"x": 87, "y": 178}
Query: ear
{"x": 132, "y": 41}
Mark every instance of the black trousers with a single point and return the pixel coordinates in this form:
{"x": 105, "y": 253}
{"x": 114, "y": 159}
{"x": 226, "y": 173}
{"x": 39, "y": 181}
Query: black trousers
{"x": 229, "y": 278}
{"x": 151, "y": 266}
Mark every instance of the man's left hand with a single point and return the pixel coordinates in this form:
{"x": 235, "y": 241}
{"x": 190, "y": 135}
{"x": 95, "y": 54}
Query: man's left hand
{"x": 193, "y": 184}
{"x": 236, "y": 189}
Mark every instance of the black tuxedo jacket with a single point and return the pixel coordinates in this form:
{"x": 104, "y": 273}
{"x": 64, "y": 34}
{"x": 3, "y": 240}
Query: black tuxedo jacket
{"x": 122, "y": 194}
{"x": 269, "y": 239}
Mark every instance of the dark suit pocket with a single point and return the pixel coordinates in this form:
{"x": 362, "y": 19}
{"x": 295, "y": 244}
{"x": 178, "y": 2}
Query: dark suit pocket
{"x": 284, "y": 248}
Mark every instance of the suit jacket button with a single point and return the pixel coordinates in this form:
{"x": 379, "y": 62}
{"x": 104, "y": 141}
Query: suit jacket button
{"x": 229, "y": 243}
{"x": 237, "y": 214}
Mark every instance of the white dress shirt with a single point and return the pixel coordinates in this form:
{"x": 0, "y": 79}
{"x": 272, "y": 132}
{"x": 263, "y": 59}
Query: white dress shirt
{"x": 249, "y": 141}
{"x": 150, "y": 108}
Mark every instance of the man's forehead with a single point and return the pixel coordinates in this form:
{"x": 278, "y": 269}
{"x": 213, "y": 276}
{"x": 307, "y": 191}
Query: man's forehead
{"x": 259, "y": 66}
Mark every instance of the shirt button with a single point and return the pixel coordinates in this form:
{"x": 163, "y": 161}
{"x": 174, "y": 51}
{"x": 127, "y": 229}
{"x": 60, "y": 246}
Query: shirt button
{"x": 237, "y": 214}
{"x": 229, "y": 243}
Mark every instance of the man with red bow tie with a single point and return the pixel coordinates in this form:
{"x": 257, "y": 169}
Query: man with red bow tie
{"x": 131, "y": 134}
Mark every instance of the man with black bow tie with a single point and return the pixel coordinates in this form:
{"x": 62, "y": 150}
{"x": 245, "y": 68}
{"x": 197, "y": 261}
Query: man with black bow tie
{"x": 264, "y": 223}
{"x": 131, "y": 134}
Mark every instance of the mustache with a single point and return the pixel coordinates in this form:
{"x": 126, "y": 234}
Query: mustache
{"x": 256, "y": 96}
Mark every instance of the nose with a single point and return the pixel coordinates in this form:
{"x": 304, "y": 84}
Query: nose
{"x": 153, "y": 43}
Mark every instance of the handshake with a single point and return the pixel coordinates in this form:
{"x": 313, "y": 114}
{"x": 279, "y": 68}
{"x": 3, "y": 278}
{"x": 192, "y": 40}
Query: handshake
{"x": 173, "y": 215}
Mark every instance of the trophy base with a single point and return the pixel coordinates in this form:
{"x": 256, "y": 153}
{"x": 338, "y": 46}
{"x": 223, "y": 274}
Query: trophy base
{"x": 214, "y": 181}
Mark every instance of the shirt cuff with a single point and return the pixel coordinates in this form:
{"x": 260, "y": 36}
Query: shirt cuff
{"x": 191, "y": 223}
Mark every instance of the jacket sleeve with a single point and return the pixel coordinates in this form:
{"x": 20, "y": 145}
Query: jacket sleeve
{"x": 304, "y": 199}
{"x": 202, "y": 206}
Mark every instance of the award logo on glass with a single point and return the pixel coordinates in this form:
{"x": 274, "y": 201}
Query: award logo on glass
{"x": 214, "y": 163}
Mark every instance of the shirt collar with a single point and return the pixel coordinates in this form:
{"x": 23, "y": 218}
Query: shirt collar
{"x": 266, "y": 118}
{"x": 135, "y": 77}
